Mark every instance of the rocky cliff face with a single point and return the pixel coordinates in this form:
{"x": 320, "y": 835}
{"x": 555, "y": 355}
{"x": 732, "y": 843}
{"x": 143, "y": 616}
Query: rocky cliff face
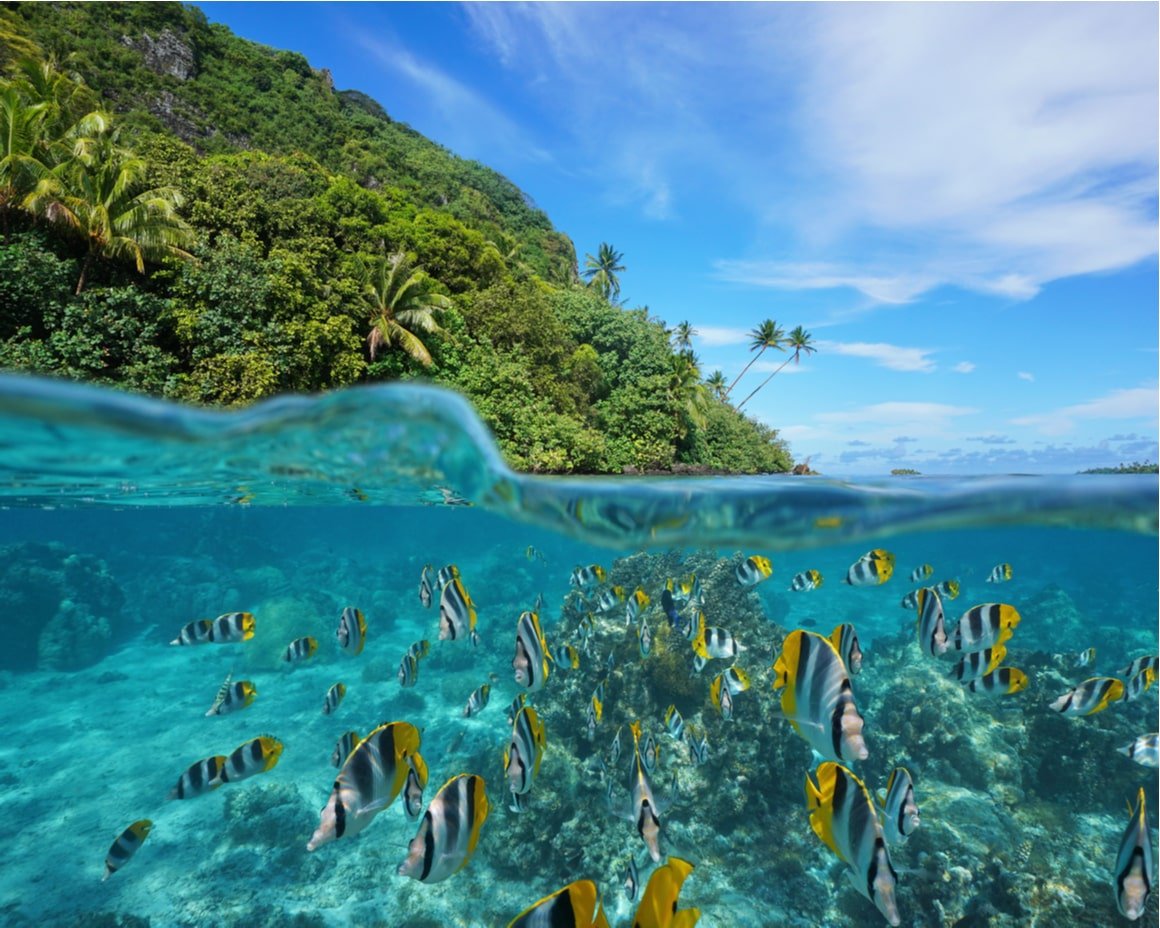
{"x": 166, "y": 54}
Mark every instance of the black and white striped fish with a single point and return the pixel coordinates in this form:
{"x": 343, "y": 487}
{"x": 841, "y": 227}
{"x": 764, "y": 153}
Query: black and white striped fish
{"x": 419, "y": 649}
{"x": 700, "y": 747}
{"x": 229, "y": 628}
{"x": 721, "y": 697}
{"x": 414, "y": 786}
{"x": 931, "y": 625}
{"x": 899, "y": 810}
{"x": 609, "y": 599}
{"x": 984, "y": 626}
{"x": 408, "y": 672}
{"x": 817, "y": 698}
{"x": 232, "y": 696}
{"x": 977, "y": 663}
{"x": 842, "y": 814}
{"x": 1138, "y": 685}
{"x": 445, "y": 576}
{"x": 949, "y": 589}
{"x": 1093, "y": 695}
{"x": 478, "y": 700}
{"x": 514, "y": 707}
{"x": 343, "y": 747}
{"x": 334, "y": 697}
{"x": 577, "y": 904}
{"x": 300, "y": 649}
{"x": 910, "y": 600}
{"x": 199, "y": 778}
{"x": 636, "y": 605}
{"x": 1144, "y": 750}
{"x": 644, "y": 806}
{"x": 525, "y": 750}
{"x": 920, "y": 573}
{"x": 644, "y": 638}
{"x": 255, "y": 756}
{"x": 631, "y": 879}
{"x": 352, "y": 631}
{"x": 753, "y": 570}
{"x": 674, "y": 722}
{"x": 585, "y": 577}
{"x": 736, "y": 680}
{"x": 425, "y": 593}
{"x": 127, "y": 844}
{"x": 564, "y": 656}
{"x": 713, "y": 642}
{"x": 531, "y": 659}
{"x": 845, "y": 642}
{"x": 872, "y": 569}
{"x": 449, "y": 832}
{"x": 370, "y": 779}
{"x": 457, "y": 616}
{"x": 1002, "y": 681}
{"x": 1001, "y": 573}
{"x": 805, "y": 581}
{"x": 1140, "y": 664}
{"x": 1135, "y": 873}
{"x": 650, "y": 752}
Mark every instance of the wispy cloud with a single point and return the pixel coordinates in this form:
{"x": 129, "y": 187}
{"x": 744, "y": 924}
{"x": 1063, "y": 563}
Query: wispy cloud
{"x": 894, "y": 357}
{"x": 712, "y": 336}
{"x": 913, "y": 416}
{"x": 1135, "y": 403}
{"x": 992, "y": 439}
{"x": 963, "y": 367}
{"x": 1024, "y": 375}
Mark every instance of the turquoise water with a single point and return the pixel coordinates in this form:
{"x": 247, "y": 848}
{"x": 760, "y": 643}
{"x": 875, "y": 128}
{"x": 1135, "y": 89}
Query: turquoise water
{"x": 124, "y": 520}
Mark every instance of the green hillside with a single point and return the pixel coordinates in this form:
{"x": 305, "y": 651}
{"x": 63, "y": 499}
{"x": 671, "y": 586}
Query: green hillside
{"x": 192, "y": 215}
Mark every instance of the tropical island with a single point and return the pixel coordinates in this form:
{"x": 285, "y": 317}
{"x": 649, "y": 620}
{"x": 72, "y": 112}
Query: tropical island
{"x": 190, "y": 215}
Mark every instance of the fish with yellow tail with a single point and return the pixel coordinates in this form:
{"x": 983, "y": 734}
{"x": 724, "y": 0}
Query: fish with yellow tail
{"x": 371, "y": 777}
{"x": 674, "y": 722}
{"x": 1002, "y": 681}
{"x": 1093, "y": 695}
{"x": 201, "y": 777}
{"x": 816, "y": 696}
{"x": 408, "y": 672}
{"x": 445, "y": 576}
{"x": 352, "y": 631}
{"x": 899, "y": 809}
{"x": 805, "y": 581}
{"x": 931, "y": 625}
{"x": 637, "y": 603}
{"x": 845, "y": 642}
{"x": 232, "y": 696}
{"x": 525, "y": 750}
{"x": 721, "y": 698}
{"x": 1001, "y": 573}
{"x": 1140, "y": 664}
{"x": 595, "y": 710}
{"x": 984, "y": 626}
{"x": 753, "y": 570}
{"x": 609, "y": 599}
{"x": 419, "y": 649}
{"x": 457, "y": 616}
{"x": 713, "y": 642}
{"x": 872, "y": 569}
{"x": 413, "y": 788}
{"x": 577, "y": 904}
{"x": 1139, "y": 684}
{"x": 584, "y": 578}
{"x": 644, "y": 638}
{"x": 910, "y": 600}
{"x": 1145, "y": 750}
{"x": 530, "y": 663}
{"x": 230, "y": 628}
{"x": 425, "y": 592}
{"x": 948, "y": 589}
{"x": 1086, "y": 657}
{"x": 658, "y": 905}
{"x": 564, "y": 656}
{"x": 127, "y": 844}
{"x": 736, "y": 680}
{"x": 978, "y": 663}
{"x": 842, "y": 814}
{"x": 300, "y": 649}
{"x": 342, "y": 748}
{"x": 334, "y": 697}
{"x": 1135, "y": 873}
{"x": 449, "y": 832}
{"x": 920, "y": 573}
{"x": 477, "y": 701}
{"x": 257, "y": 755}
{"x": 644, "y": 806}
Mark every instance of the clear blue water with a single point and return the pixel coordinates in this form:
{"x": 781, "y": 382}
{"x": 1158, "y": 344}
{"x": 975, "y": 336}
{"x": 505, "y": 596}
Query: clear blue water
{"x": 122, "y": 520}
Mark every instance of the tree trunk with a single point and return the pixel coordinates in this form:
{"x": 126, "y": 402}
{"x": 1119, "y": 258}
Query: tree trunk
{"x": 743, "y": 370}
{"x": 85, "y": 266}
{"x": 764, "y": 382}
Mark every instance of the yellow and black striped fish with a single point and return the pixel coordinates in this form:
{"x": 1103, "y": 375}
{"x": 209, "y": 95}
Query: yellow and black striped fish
{"x": 644, "y": 806}
{"x": 449, "y": 832}
{"x": 1000, "y": 574}
{"x": 232, "y": 696}
{"x": 371, "y": 777}
{"x": 921, "y": 573}
{"x": 984, "y": 626}
{"x": 805, "y": 581}
{"x": 637, "y": 603}
{"x": 419, "y": 649}
{"x": 577, "y": 904}
{"x": 658, "y": 905}
{"x": 413, "y": 788}
{"x": 931, "y": 625}
{"x": 845, "y": 642}
{"x": 255, "y": 756}
{"x": 899, "y": 809}
{"x": 408, "y": 672}
{"x": 753, "y": 570}
{"x": 425, "y": 593}
{"x": 531, "y": 659}
{"x": 948, "y": 589}
{"x": 1139, "y": 684}
{"x": 977, "y": 663}
{"x": 334, "y": 697}
{"x": 675, "y": 723}
{"x": 721, "y": 697}
{"x": 1092, "y": 696}
{"x": 456, "y": 613}
{"x": 910, "y": 600}
{"x": 872, "y": 569}
{"x": 199, "y": 778}
{"x": 1002, "y": 681}
{"x": 609, "y": 599}
{"x": 477, "y": 701}
{"x": 713, "y": 642}
{"x": 564, "y": 656}
{"x": 300, "y": 649}
{"x": 525, "y": 750}
{"x": 585, "y": 577}
{"x": 1144, "y": 750}
{"x": 352, "y": 631}
{"x": 842, "y": 814}
{"x": 127, "y": 844}
{"x": 817, "y": 697}
{"x": 1135, "y": 873}
{"x": 229, "y": 628}
{"x": 445, "y": 576}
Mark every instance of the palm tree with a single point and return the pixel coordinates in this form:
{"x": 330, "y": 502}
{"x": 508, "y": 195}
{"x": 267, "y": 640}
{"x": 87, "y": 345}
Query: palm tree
{"x": 401, "y": 302}
{"x": 687, "y": 395}
{"x": 21, "y": 134}
{"x": 799, "y": 340}
{"x": 717, "y": 383}
{"x": 767, "y": 335}
{"x": 98, "y": 193}
{"x": 601, "y": 271}
{"x": 683, "y": 335}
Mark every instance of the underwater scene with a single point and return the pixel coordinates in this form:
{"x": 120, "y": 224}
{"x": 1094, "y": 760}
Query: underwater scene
{"x": 327, "y": 662}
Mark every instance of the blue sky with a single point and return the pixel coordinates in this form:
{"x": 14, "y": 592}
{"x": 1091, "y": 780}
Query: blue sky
{"x": 959, "y": 201}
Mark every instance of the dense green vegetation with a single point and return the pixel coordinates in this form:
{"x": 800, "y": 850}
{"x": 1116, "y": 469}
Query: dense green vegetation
{"x": 1134, "y": 468}
{"x": 190, "y": 215}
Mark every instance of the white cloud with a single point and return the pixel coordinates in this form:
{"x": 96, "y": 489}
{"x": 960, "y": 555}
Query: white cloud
{"x": 1135, "y": 403}
{"x": 963, "y": 367}
{"x": 901, "y": 416}
{"x": 894, "y": 357}
{"x": 1023, "y": 375}
{"x": 712, "y": 336}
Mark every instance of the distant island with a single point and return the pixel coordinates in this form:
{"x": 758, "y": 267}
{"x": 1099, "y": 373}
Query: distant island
{"x": 190, "y": 215}
{"x": 1134, "y": 468}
